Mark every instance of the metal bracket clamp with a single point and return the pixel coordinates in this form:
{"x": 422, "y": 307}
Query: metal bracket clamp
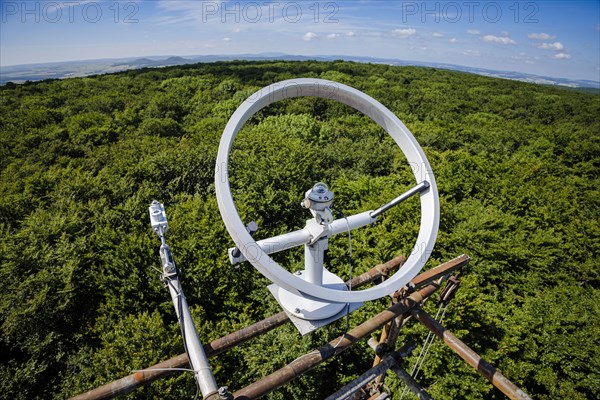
{"x": 252, "y": 227}
{"x": 449, "y": 291}
{"x": 316, "y": 230}
{"x": 415, "y": 156}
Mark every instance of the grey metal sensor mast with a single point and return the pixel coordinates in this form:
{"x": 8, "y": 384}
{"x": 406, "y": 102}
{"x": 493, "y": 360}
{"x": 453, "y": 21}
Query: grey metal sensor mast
{"x": 198, "y": 360}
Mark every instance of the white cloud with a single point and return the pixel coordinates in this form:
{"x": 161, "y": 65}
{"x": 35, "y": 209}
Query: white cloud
{"x": 237, "y": 30}
{"x": 310, "y": 36}
{"x": 540, "y": 36}
{"x": 404, "y": 32}
{"x": 504, "y": 33}
{"x": 498, "y": 39}
{"x": 227, "y": 39}
{"x": 453, "y": 40}
{"x": 471, "y": 53}
{"x": 473, "y": 31}
{"x": 561, "y": 56}
{"x": 551, "y": 46}
{"x": 333, "y": 35}
{"x": 437, "y": 34}
{"x": 350, "y": 34}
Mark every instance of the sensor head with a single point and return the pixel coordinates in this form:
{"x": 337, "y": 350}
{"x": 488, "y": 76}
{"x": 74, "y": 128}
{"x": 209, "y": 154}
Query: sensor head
{"x": 158, "y": 218}
{"x": 318, "y": 198}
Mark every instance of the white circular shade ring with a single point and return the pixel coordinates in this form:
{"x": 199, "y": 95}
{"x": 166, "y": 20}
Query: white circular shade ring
{"x": 304, "y": 87}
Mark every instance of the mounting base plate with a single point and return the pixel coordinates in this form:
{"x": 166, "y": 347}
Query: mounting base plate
{"x": 308, "y": 314}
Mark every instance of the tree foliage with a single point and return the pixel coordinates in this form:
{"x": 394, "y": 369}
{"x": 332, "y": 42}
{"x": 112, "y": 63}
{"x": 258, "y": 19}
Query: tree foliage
{"x": 81, "y": 159}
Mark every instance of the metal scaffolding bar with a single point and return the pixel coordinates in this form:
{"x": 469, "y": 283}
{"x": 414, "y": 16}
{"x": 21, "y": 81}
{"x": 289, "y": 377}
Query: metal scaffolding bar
{"x": 336, "y": 346}
{"x": 389, "y": 335}
{"x": 472, "y": 358}
{"x": 410, "y": 383}
{"x": 131, "y": 382}
{"x": 387, "y": 362}
{"x": 390, "y": 331}
{"x": 441, "y": 270}
{"x": 354, "y": 386}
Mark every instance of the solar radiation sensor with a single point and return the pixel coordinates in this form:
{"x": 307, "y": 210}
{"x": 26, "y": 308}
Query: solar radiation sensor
{"x": 315, "y": 297}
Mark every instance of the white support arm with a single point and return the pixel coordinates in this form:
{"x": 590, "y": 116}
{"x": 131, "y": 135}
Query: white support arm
{"x": 355, "y": 221}
{"x": 302, "y": 236}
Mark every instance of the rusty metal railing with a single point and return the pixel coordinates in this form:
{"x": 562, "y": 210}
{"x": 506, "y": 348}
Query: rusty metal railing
{"x": 131, "y": 382}
{"x": 405, "y": 305}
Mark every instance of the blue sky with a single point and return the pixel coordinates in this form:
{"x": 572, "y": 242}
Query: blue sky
{"x": 552, "y": 38}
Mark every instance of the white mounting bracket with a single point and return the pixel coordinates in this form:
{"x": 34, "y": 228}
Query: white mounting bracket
{"x": 316, "y": 230}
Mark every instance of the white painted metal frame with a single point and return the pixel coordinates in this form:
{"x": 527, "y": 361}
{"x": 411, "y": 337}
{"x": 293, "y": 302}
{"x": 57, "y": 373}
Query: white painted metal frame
{"x": 256, "y": 255}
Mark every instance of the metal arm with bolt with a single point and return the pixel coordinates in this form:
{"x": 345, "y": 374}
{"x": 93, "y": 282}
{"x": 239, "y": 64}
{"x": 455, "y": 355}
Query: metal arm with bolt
{"x": 287, "y": 241}
{"x": 318, "y": 200}
{"x": 198, "y": 360}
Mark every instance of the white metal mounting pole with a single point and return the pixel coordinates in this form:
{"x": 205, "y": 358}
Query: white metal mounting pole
{"x": 313, "y": 261}
{"x": 193, "y": 347}
{"x": 198, "y": 360}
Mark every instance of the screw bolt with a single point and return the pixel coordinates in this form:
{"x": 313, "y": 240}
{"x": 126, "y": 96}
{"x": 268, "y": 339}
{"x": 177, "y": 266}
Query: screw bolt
{"x": 224, "y": 393}
{"x": 170, "y": 268}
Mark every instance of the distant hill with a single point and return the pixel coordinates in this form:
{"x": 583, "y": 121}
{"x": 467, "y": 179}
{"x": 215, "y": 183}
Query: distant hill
{"x": 172, "y": 61}
{"x": 68, "y": 69}
{"x": 139, "y": 62}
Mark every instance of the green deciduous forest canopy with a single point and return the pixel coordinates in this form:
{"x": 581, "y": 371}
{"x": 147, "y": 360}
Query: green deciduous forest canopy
{"x": 81, "y": 159}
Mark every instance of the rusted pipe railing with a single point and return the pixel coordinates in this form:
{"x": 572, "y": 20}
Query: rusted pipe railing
{"x": 378, "y": 271}
{"x": 441, "y": 270}
{"x": 333, "y": 348}
{"x": 389, "y": 336}
{"x": 470, "y": 357}
{"x": 390, "y": 332}
{"x": 336, "y": 346}
{"x": 388, "y": 361}
{"x": 131, "y": 382}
